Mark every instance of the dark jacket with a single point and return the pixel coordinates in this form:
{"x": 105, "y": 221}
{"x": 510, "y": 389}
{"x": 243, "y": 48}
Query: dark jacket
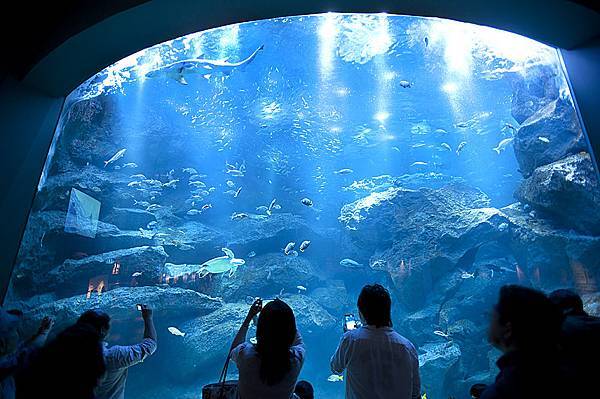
{"x": 580, "y": 343}
{"x": 528, "y": 376}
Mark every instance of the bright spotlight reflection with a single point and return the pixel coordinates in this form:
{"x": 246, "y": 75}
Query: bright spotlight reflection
{"x": 328, "y": 31}
{"x": 450, "y": 88}
{"x": 381, "y": 116}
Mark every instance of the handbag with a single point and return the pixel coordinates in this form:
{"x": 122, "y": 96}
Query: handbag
{"x": 222, "y": 389}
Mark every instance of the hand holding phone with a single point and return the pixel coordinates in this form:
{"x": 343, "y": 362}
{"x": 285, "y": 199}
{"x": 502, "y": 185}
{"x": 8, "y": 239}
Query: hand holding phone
{"x": 350, "y": 322}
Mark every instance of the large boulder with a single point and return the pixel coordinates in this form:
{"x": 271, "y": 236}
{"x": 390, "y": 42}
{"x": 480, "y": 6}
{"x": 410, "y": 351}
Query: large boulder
{"x": 440, "y": 368}
{"x": 419, "y": 236}
{"x": 114, "y": 268}
{"x": 311, "y": 318}
{"x": 130, "y": 218}
{"x": 267, "y": 275}
{"x": 533, "y": 90}
{"x": 207, "y": 339}
{"x": 549, "y": 135}
{"x": 120, "y": 305}
{"x": 46, "y": 244}
{"x": 568, "y": 189}
{"x": 333, "y": 297}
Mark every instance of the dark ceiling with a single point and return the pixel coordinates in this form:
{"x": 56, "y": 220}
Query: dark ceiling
{"x": 36, "y": 29}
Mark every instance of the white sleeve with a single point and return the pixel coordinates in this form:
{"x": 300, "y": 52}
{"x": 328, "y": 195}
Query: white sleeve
{"x": 126, "y": 356}
{"x": 339, "y": 361}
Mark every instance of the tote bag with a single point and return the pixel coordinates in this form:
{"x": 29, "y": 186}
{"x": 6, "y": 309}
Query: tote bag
{"x": 223, "y": 389}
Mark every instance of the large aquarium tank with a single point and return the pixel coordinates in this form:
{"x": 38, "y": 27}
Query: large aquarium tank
{"x": 302, "y": 158}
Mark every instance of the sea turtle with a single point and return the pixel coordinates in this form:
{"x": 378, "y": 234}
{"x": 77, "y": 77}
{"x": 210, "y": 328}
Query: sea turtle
{"x": 222, "y": 264}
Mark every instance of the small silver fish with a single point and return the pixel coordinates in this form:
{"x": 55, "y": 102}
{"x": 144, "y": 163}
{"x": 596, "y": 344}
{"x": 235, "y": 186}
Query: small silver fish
{"x": 301, "y": 288}
{"x": 544, "y": 139}
{"x": 175, "y": 331}
{"x": 237, "y": 193}
{"x": 131, "y": 165}
{"x": 349, "y": 263}
{"x": 289, "y": 248}
{"x": 345, "y": 171}
{"x": 405, "y": 84}
{"x": 230, "y": 183}
{"x": 119, "y": 154}
{"x": 502, "y": 145}
{"x": 304, "y": 245}
{"x": 251, "y": 254}
{"x": 460, "y": 147}
{"x": 466, "y": 275}
{"x": 441, "y": 333}
{"x": 206, "y": 206}
{"x": 271, "y": 205}
{"x": 239, "y": 216}
{"x": 136, "y": 274}
{"x": 446, "y": 146}
{"x": 335, "y": 378}
{"x": 193, "y": 212}
{"x": 306, "y": 201}
{"x": 419, "y": 163}
{"x": 191, "y": 171}
{"x": 171, "y": 183}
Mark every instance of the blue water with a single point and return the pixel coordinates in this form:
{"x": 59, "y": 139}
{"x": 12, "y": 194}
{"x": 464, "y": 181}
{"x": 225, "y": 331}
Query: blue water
{"x": 378, "y": 95}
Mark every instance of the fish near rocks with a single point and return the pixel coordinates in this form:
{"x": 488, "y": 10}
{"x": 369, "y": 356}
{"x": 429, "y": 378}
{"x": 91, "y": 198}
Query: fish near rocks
{"x": 502, "y": 145}
{"x": 119, "y": 154}
{"x": 289, "y": 248}
{"x": 350, "y": 263}
{"x": 305, "y": 244}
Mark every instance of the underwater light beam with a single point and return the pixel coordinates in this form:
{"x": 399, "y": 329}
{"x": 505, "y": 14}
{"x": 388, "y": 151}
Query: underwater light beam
{"x": 328, "y": 31}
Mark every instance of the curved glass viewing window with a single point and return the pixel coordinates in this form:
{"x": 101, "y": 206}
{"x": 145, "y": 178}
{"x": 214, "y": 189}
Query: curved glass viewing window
{"x": 440, "y": 159}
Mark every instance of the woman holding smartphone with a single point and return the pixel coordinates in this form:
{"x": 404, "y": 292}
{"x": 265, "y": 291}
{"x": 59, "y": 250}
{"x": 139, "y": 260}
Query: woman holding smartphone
{"x": 270, "y": 368}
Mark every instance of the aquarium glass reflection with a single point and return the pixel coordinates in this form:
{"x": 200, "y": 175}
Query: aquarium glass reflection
{"x": 302, "y": 158}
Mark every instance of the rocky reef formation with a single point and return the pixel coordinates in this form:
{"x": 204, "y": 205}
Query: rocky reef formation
{"x": 445, "y": 252}
{"x": 551, "y": 149}
{"x": 120, "y": 304}
{"x": 566, "y": 189}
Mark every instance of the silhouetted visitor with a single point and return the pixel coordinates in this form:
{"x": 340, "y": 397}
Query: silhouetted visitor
{"x": 117, "y": 358}
{"x": 69, "y": 366}
{"x": 580, "y": 339}
{"x": 14, "y": 355}
{"x": 525, "y": 326}
{"x": 477, "y": 390}
{"x": 304, "y": 390}
{"x": 379, "y": 362}
{"x": 269, "y": 369}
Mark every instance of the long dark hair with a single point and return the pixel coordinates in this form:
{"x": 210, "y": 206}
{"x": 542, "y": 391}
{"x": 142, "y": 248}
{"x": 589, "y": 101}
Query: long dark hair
{"x": 69, "y": 366}
{"x": 375, "y": 304}
{"x": 275, "y": 334}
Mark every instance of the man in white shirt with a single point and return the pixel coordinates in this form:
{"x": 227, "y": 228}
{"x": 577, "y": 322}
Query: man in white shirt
{"x": 379, "y": 362}
{"x": 118, "y": 359}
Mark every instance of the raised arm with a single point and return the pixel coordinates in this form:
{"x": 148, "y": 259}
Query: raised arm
{"x": 149, "y": 329}
{"x": 339, "y": 361}
{"x": 39, "y": 338}
{"x": 119, "y": 357}
{"x": 240, "y": 337}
